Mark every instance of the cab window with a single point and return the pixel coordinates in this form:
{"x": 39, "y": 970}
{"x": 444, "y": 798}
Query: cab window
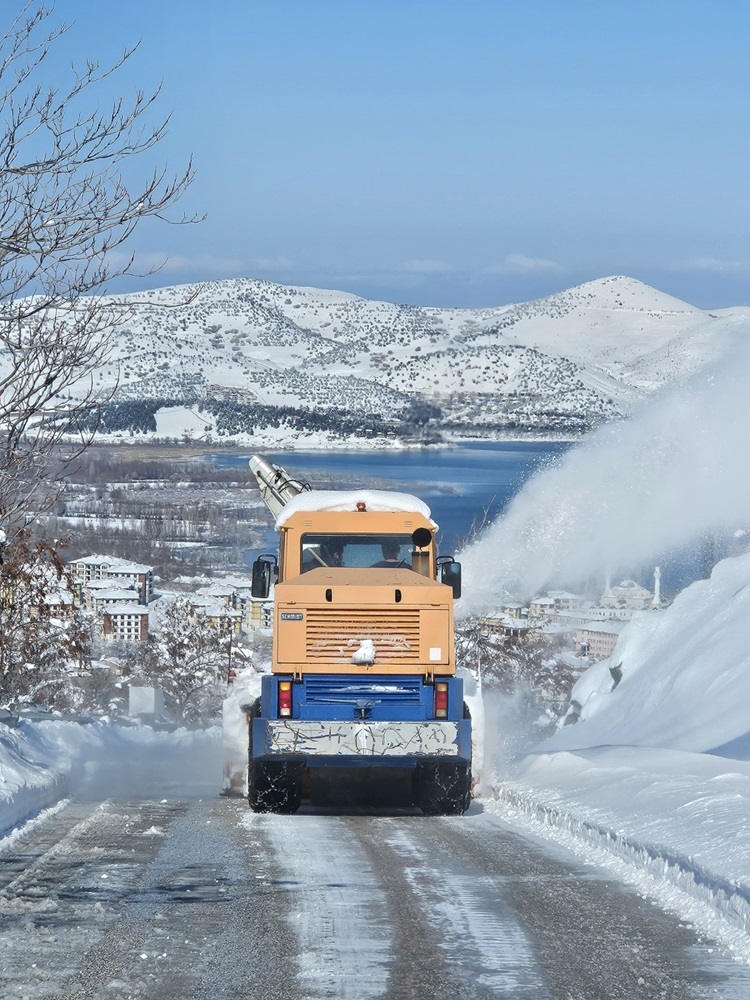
{"x": 355, "y": 551}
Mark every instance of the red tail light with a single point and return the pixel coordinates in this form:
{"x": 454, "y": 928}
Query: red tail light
{"x": 441, "y": 701}
{"x": 285, "y": 698}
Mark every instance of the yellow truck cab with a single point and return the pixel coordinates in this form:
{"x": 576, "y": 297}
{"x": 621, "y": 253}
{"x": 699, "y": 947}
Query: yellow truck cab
{"x": 336, "y": 590}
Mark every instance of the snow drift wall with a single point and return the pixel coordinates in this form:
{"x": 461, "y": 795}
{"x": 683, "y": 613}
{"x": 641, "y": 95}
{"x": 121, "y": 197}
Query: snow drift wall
{"x": 685, "y": 674}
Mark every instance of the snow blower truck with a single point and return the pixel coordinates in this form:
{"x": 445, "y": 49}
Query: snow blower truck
{"x": 363, "y": 705}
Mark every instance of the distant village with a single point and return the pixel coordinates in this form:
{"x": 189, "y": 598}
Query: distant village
{"x": 120, "y": 596}
{"x": 593, "y": 627}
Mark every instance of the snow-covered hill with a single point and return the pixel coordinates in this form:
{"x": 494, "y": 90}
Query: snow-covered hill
{"x": 558, "y": 364}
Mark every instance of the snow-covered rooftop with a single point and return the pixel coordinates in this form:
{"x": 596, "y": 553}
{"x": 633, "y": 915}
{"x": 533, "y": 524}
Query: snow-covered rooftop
{"x": 112, "y": 594}
{"x": 121, "y": 566}
{"x": 127, "y": 609}
{"x": 611, "y": 627}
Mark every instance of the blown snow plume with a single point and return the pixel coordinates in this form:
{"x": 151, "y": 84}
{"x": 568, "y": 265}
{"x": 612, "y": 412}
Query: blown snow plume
{"x": 631, "y": 491}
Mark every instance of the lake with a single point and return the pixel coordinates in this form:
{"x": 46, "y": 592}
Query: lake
{"x": 459, "y": 483}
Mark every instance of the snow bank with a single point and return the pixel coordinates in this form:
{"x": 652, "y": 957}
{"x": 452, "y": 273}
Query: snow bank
{"x": 631, "y": 785}
{"x": 41, "y": 762}
{"x": 671, "y": 823}
{"x": 35, "y": 761}
{"x": 685, "y": 674}
{"x": 241, "y": 694}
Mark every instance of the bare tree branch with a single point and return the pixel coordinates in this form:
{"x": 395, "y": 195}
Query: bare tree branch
{"x": 65, "y": 207}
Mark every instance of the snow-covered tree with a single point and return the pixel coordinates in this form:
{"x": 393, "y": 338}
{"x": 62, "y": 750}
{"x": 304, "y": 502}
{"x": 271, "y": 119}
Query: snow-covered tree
{"x": 44, "y": 640}
{"x": 187, "y": 658}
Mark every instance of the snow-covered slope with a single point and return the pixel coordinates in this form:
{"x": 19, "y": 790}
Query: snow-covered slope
{"x": 685, "y": 674}
{"x": 569, "y": 360}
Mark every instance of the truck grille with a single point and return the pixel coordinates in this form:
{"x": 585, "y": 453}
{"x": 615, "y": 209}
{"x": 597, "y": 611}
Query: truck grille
{"x": 334, "y": 636}
{"x": 355, "y": 688}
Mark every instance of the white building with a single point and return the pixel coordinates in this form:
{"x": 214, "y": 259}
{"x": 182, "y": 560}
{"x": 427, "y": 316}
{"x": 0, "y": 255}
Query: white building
{"x": 134, "y": 575}
{"x": 119, "y": 572}
{"x": 564, "y": 600}
{"x": 541, "y": 607}
{"x": 100, "y": 599}
{"x": 627, "y": 594}
{"x": 125, "y": 622}
{"x": 89, "y": 568}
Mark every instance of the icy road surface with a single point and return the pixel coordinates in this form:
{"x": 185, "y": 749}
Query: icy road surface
{"x": 203, "y": 899}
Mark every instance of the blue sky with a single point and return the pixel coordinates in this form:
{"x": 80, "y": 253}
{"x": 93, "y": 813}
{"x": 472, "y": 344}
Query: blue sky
{"x": 448, "y": 153}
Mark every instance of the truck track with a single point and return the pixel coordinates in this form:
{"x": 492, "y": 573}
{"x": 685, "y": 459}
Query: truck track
{"x": 201, "y": 900}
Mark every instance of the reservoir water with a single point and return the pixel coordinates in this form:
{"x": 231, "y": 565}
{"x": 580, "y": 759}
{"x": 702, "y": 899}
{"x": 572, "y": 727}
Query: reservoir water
{"x": 463, "y": 485}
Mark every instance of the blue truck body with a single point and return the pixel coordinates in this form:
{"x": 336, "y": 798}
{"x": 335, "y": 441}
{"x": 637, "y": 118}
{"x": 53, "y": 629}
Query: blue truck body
{"x": 364, "y": 703}
{"x": 347, "y": 730}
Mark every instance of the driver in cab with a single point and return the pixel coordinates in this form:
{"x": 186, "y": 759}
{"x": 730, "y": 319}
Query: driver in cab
{"x": 390, "y": 549}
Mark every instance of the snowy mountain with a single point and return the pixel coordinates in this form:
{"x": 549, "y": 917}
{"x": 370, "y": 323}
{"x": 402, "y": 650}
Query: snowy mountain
{"x": 221, "y": 357}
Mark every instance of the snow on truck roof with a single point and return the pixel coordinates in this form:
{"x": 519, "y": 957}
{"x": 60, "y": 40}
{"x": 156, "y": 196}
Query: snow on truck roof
{"x": 342, "y": 500}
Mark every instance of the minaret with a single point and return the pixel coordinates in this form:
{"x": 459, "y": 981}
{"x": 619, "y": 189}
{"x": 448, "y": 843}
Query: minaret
{"x": 656, "y": 603}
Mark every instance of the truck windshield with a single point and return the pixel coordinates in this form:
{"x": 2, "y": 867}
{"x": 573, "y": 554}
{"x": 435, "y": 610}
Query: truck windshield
{"x": 355, "y": 551}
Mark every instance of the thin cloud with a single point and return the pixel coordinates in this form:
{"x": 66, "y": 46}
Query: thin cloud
{"x": 271, "y": 263}
{"x": 426, "y": 267}
{"x": 715, "y": 266}
{"x": 200, "y": 264}
{"x": 518, "y": 263}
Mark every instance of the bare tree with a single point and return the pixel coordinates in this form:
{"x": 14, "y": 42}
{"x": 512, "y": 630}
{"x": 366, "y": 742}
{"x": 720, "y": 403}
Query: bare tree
{"x": 531, "y": 665}
{"x": 65, "y": 210}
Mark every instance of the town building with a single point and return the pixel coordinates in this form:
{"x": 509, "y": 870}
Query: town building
{"x": 125, "y": 622}
{"x": 598, "y": 641}
{"x": 134, "y": 575}
{"x": 541, "y": 607}
{"x": 563, "y": 600}
{"x": 584, "y": 616}
{"x": 506, "y": 625}
{"x": 218, "y": 593}
{"x": 627, "y": 594}
{"x": 119, "y": 572}
{"x": 225, "y": 619}
{"x": 89, "y": 568}
{"x": 102, "y": 598}
{"x": 257, "y": 613}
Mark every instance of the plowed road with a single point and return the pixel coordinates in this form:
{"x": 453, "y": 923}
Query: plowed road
{"x": 203, "y": 899}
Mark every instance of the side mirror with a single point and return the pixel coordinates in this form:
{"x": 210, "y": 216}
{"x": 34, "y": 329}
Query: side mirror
{"x": 263, "y": 568}
{"x": 420, "y": 557}
{"x": 450, "y": 574}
